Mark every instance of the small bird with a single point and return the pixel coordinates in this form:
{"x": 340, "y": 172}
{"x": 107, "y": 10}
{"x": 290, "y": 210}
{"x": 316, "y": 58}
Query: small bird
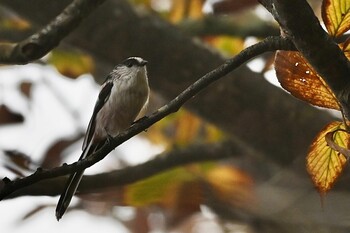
{"x": 123, "y": 95}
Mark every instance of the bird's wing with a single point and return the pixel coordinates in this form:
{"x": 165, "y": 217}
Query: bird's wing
{"x": 101, "y": 100}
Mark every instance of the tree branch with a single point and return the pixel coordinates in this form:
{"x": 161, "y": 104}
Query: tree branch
{"x": 303, "y": 28}
{"x": 39, "y": 44}
{"x": 269, "y": 44}
{"x": 128, "y": 175}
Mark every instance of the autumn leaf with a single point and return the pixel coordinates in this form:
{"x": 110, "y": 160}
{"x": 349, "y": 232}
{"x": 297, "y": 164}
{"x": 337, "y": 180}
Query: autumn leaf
{"x": 324, "y": 162}
{"x": 183, "y": 128}
{"x": 9, "y": 21}
{"x": 231, "y": 185}
{"x": 159, "y": 189}
{"x": 345, "y": 47}
{"x": 336, "y": 16}
{"x": 71, "y": 63}
{"x": 195, "y": 9}
{"x": 301, "y": 80}
{"x": 228, "y": 45}
{"x": 26, "y": 88}
{"x": 7, "y": 116}
{"x": 186, "y": 9}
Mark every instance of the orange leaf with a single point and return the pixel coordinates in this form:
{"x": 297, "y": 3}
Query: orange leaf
{"x": 177, "y": 11}
{"x": 231, "y": 185}
{"x": 336, "y": 16}
{"x": 302, "y": 81}
{"x": 195, "y": 9}
{"x": 324, "y": 162}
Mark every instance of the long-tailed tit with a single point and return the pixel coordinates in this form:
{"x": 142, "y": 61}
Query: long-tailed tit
{"x": 123, "y": 95}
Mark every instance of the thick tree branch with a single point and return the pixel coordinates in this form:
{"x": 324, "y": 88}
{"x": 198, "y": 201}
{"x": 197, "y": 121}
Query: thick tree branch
{"x": 304, "y": 29}
{"x": 269, "y": 44}
{"x": 39, "y": 44}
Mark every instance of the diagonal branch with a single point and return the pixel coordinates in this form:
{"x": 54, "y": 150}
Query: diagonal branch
{"x": 248, "y": 99}
{"x": 269, "y": 44}
{"x": 39, "y": 44}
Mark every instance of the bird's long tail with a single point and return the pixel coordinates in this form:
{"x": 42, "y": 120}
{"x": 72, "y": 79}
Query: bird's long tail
{"x": 67, "y": 194}
{"x": 72, "y": 185}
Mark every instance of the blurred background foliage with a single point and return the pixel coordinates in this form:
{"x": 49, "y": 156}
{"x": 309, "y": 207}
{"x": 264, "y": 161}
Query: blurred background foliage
{"x": 179, "y": 194}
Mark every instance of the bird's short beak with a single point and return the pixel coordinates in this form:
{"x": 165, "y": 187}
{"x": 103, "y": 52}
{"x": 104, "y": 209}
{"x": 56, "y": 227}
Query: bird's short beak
{"x": 144, "y": 62}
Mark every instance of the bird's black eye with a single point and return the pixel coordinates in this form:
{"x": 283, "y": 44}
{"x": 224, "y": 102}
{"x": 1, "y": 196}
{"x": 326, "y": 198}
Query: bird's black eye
{"x": 129, "y": 64}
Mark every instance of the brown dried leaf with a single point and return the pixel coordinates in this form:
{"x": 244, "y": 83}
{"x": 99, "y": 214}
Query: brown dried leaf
{"x": 52, "y": 157}
{"x": 20, "y": 159}
{"x": 26, "y": 88}
{"x": 302, "y": 81}
{"x": 9, "y": 117}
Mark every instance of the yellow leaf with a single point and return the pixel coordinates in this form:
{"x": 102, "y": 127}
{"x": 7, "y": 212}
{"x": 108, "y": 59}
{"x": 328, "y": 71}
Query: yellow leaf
{"x": 228, "y": 45}
{"x": 186, "y": 185}
{"x": 195, "y": 11}
{"x": 187, "y": 128}
{"x": 231, "y": 185}
{"x": 159, "y": 189}
{"x": 186, "y": 9}
{"x": 302, "y": 81}
{"x": 15, "y": 23}
{"x": 177, "y": 10}
{"x": 323, "y": 163}
{"x": 182, "y": 129}
{"x": 71, "y": 63}
{"x": 336, "y": 16}
{"x": 346, "y": 48}
{"x": 213, "y": 134}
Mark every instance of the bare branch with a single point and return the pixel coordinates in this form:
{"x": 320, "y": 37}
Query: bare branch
{"x": 39, "y": 44}
{"x": 269, "y": 44}
{"x": 128, "y": 175}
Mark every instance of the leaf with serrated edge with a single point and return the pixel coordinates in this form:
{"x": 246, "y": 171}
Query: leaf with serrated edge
{"x": 336, "y": 16}
{"x": 300, "y": 79}
{"x": 323, "y": 163}
{"x": 345, "y": 47}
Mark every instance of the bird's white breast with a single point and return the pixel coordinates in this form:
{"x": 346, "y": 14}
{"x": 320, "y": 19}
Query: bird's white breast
{"x": 128, "y": 97}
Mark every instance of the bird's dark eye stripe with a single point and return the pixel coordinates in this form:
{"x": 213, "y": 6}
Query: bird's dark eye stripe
{"x": 131, "y": 62}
